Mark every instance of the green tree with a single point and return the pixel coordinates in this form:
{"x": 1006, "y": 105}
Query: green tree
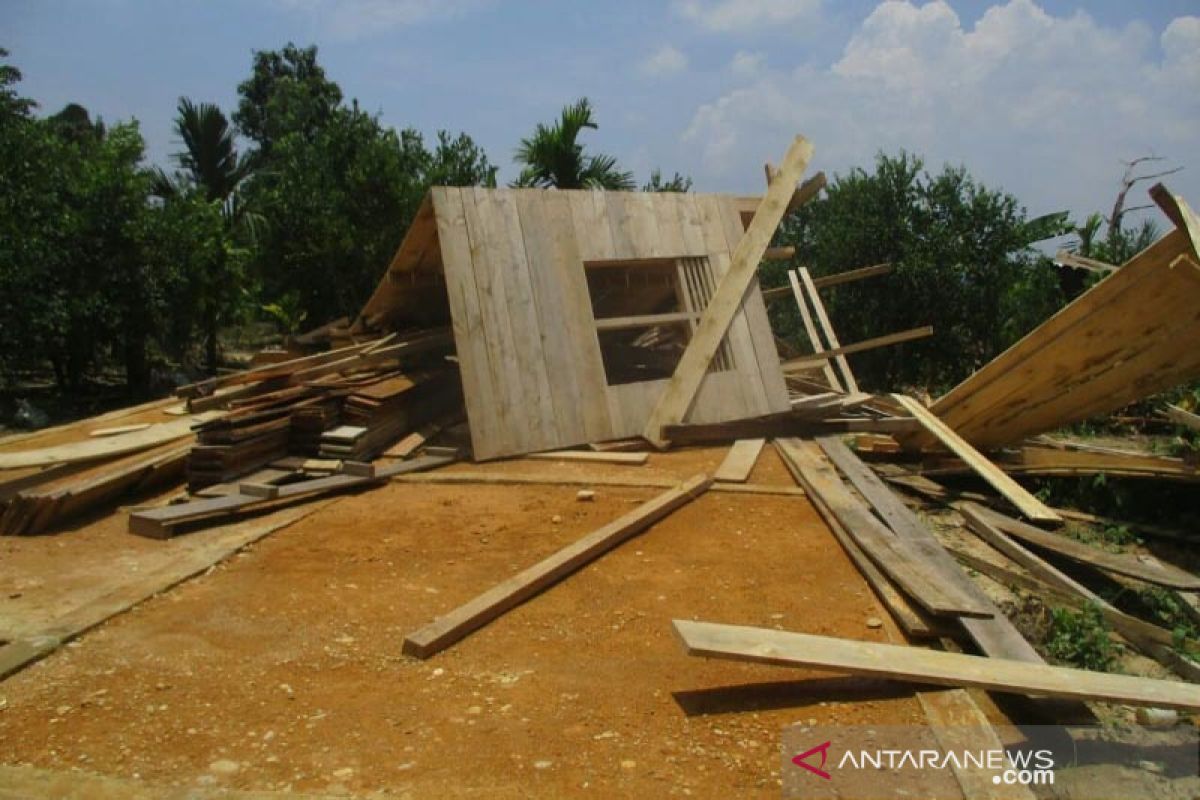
{"x": 554, "y": 157}
{"x": 962, "y": 264}
{"x": 336, "y": 189}
{"x": 676, "y": 183}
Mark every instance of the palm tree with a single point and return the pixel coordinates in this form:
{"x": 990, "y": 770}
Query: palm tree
{"x": 554, "y": 157}
{"x": 209, "y": 159}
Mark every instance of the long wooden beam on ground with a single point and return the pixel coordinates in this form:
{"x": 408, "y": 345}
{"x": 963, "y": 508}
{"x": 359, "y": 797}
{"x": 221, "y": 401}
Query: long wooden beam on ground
{"x": 996, "y": 636}
{"x": 1057, "y": 459}
{"x": 491, "y": 478}
{"x": 918, "y": 665}
{"x": 591, "y": 456}
{"x": 1153, "y": 571}
{"x": 1029, "y": 505}
{"x": 454, "y": 625}
{"x": 677, "y": 397}
{"x": 898, "y": 559}
{"x": 911, "y": 619}
{"x": 807, "y": 362}
{"x": 740, "y": 460}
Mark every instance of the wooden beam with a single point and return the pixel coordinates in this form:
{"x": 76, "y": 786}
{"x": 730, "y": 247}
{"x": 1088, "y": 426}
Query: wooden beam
{"x": 827, "y": 327}
{"x": 918, "y": 665}
{"x": 1181, "y": 417}
{"x": 858, "y": 347}
{"x": 1150, "y": 571}
{"x": 740, "y": 460}
{"x": 901, "y": 562}
{"x": 747, "y": 206}
{"x": 676, "y": 399}
{"x": 493, "y": 478}
{"x": 1066, "y": 258}
{"x": 779, "y": 253}
{"x": 1029, "y": 505}
{"x": 810, "y": 328}
{"x": 997, "y": 636}
{"x": 105, "y": 447}
{"x": 454, "y": 625}
{"x": 1180, "y": 213}
{"x": 645, "y": 320}
{"x": 835, "y": 279}
{"x": 636, "y": 459}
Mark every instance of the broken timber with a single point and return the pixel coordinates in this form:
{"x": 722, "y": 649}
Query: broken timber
{"x": 676, "y": 399}
{"x": 739, "y": 461}
{"x": 918, "y": 665}
{"x": 1029, "y": 505}
{"x": 454, "y": 625}
{"x": 804, "y": 362}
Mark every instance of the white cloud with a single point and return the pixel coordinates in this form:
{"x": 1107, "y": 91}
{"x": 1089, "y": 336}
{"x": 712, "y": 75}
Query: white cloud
{"x": 666, "y": 60}
{"x": 353, "y": 19}
{"x": 1041, "y": 105}
{"x": 744, "y": 15}
{"x": 746, "y": 65}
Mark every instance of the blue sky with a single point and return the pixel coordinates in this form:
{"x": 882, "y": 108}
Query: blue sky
{"x": 1040, "y": 97}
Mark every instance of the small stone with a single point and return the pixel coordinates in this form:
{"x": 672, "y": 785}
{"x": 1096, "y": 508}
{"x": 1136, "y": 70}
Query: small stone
{"x": 475, "y": 710}
{"x": 585, "y": 495}
{"x": 542, "y": 764}
{"x": 556, "y": 519}
{"x": 874, "y": 622}
{"x": 288, "y": 691}
{"x": 224, "y": 766}
{"x": 344, "y": 772}
{"x": 1151, "y": 766}
{"x": 628, "y": 764}
{"x": 62, "y": 710}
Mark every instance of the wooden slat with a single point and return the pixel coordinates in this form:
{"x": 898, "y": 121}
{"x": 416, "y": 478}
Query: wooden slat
{"x": 1132, "y": 566}
{"x": 677, "y": 398}
{"x": 106, "y": 447}
{"x": 827, "y": 327}
{"x": 902, "y": 563}
{"x": 810, "y": 328}
{"x": 588, "y": 455}
{"x": 997, "y": 636}
{"x": 1029, "y": 505}
{"x": 894, "y": 662}
{"x": 803, "y": 362}
{"x": 454, "y": 625}
{"x": 740, "y": 460}
{"x": 1182, "y": 417}
{"x": 835, "y": 279}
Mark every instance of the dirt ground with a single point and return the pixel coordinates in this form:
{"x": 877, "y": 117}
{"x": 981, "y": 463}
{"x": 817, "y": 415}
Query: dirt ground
{"x": 281, "y": 668}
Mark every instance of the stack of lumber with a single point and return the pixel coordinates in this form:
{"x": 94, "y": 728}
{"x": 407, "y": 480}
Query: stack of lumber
{"x": 237, "y": 444}
{"x": 377, "y": 414}
{"x": 309, "y": 422}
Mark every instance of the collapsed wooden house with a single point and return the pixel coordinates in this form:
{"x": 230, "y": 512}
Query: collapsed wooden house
{"x": 571, "y": 309}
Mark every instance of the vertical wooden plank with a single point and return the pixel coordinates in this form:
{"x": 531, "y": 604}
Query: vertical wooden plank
{"x": 755, "y": 312}
{"x": 570, "y": 343}
{"x": 478, "y": 377}
{"x": 538, "y": 420}
{"x": 619, "y": 225}
{"x": 811, "y": 329}
{"x": 642, "y": 221}
{"x": 819, "y": 307}
{"x": 589, "y": 215}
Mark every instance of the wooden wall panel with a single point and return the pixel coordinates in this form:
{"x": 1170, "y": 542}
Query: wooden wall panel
{"x": 533, "y": 374}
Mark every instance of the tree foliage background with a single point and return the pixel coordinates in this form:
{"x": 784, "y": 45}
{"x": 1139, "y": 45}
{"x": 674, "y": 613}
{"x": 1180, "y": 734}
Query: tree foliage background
{"x": 289, "y": 208}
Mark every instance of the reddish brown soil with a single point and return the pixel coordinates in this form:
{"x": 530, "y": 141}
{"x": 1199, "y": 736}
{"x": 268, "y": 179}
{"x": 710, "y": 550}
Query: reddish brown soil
{"x": 287, "y": 658}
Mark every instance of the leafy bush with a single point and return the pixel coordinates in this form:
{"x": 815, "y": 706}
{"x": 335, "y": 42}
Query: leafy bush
{"x": 1081, "y": 638}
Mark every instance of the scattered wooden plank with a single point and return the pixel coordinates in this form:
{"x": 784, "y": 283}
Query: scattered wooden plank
{"x": 806, "y": 362}
{"x": 1029, "y": 505}
{"x": 997, "y": 636}
{"x": 1065, "y": 258}
{"x": 118, "y": 430}
{"x": 897, "y": 559}
{"x": 834, "y": 279}
{"x": 592, "y": 456}
{"x": 827, "y": 328}
{"x": 918, "y": 665}
{"x": 1182, "y": 417}
{"x": 107, "y": 447}
{"x": 1143, "y": 569}
{"x": 159, "y": 523}
{"x": 634, "y": 445}
{"x": 676, "y": 399}
{"x": 912, "y": 620}
{"x": 558, "y": 479}
{"x": 810, "y": 328}
{"x": 740, "y": 460}
{"x": 453, "y": 626}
